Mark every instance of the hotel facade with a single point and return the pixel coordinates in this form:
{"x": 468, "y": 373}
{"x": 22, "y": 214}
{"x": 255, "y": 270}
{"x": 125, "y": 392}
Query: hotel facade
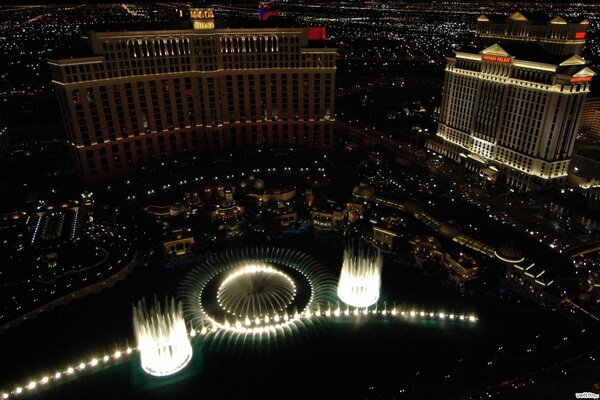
{"x": 511, "y": 107}
{"x": 143, "y": 96}
{"x": 590, "y": 119}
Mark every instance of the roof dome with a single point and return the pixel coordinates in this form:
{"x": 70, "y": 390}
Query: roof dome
{"x": 414, "y": 206}
{"x": 252, "y": 183}
{"x": 363, "y": 191}
{"x": 509, "y": 253}
{"x": 449, "y": 230}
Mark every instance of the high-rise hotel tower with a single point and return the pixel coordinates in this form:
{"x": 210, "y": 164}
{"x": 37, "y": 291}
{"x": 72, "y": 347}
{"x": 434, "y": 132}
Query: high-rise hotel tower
{"x": 145, "y": 95}
{"x": 511, "y": 107}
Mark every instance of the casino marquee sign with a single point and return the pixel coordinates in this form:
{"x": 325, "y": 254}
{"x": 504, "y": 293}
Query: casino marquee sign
{"x": 499, "y": 59}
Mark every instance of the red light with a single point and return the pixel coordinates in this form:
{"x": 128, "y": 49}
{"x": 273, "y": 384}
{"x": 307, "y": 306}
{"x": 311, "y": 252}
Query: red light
{"x": 316, "y": 33}
{"x": 505, "y": 60}
{"x": 264, "y": 12}
{"x": 270, "y": 14}
{"x": 581, "y": 79}
{"x": 580, "y": 35}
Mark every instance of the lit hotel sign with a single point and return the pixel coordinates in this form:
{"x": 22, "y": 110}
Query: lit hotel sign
{"x": 316, "y": 33}
{"x": 581, "y": 79}
{"x": 500, "y": 59}
{"x": 579, "y": 35}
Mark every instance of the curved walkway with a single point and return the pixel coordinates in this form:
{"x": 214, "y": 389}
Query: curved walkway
{"x": 78, "y": 270}
{"x": 78, "y": 294}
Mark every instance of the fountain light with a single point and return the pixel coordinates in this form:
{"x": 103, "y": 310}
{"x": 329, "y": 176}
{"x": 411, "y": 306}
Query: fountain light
{"x": 256, "y": 294}
{"x": 360, "y": 277}
{"x": 162, "y": 338}
{"x": 271, "y": 329}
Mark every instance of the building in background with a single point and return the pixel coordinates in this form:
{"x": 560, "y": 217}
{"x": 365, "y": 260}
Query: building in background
{"x": 511, "y": 107}
{"x": 584, "y": 172}
{"x": 555, "y": 36}
{"x": 146, "y": 95}
{"x": 589, "y": 125}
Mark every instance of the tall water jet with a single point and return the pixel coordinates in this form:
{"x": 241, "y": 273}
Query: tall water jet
{"x": 360, "y": 278}
{"x": 162, "y": 337}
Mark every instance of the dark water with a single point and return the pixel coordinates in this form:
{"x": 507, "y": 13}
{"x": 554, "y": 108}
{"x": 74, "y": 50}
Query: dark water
{"x": 351, "y": 359}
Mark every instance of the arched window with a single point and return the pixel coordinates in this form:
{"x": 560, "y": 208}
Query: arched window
{"x": 131, "y": 49}
{"x": 225, "y": 44}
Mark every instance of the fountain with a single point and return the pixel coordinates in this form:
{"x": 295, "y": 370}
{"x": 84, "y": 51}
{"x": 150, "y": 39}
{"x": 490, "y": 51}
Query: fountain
{"x": 256, "y": 290}
{"x": 162, "y": 337}
{"x": 360, "y": 278}
{"x": 256, "y": 294}
{"x": 245, "y": 297}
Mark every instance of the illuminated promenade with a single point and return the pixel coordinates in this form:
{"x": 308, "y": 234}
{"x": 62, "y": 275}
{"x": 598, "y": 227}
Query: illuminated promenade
{"x": 435, "y": 224}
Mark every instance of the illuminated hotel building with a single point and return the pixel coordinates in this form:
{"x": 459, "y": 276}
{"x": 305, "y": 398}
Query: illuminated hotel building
{"x": 590, "y": 118}
{"x": 146, "y": 95}
{"x": 513, "y": 108}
